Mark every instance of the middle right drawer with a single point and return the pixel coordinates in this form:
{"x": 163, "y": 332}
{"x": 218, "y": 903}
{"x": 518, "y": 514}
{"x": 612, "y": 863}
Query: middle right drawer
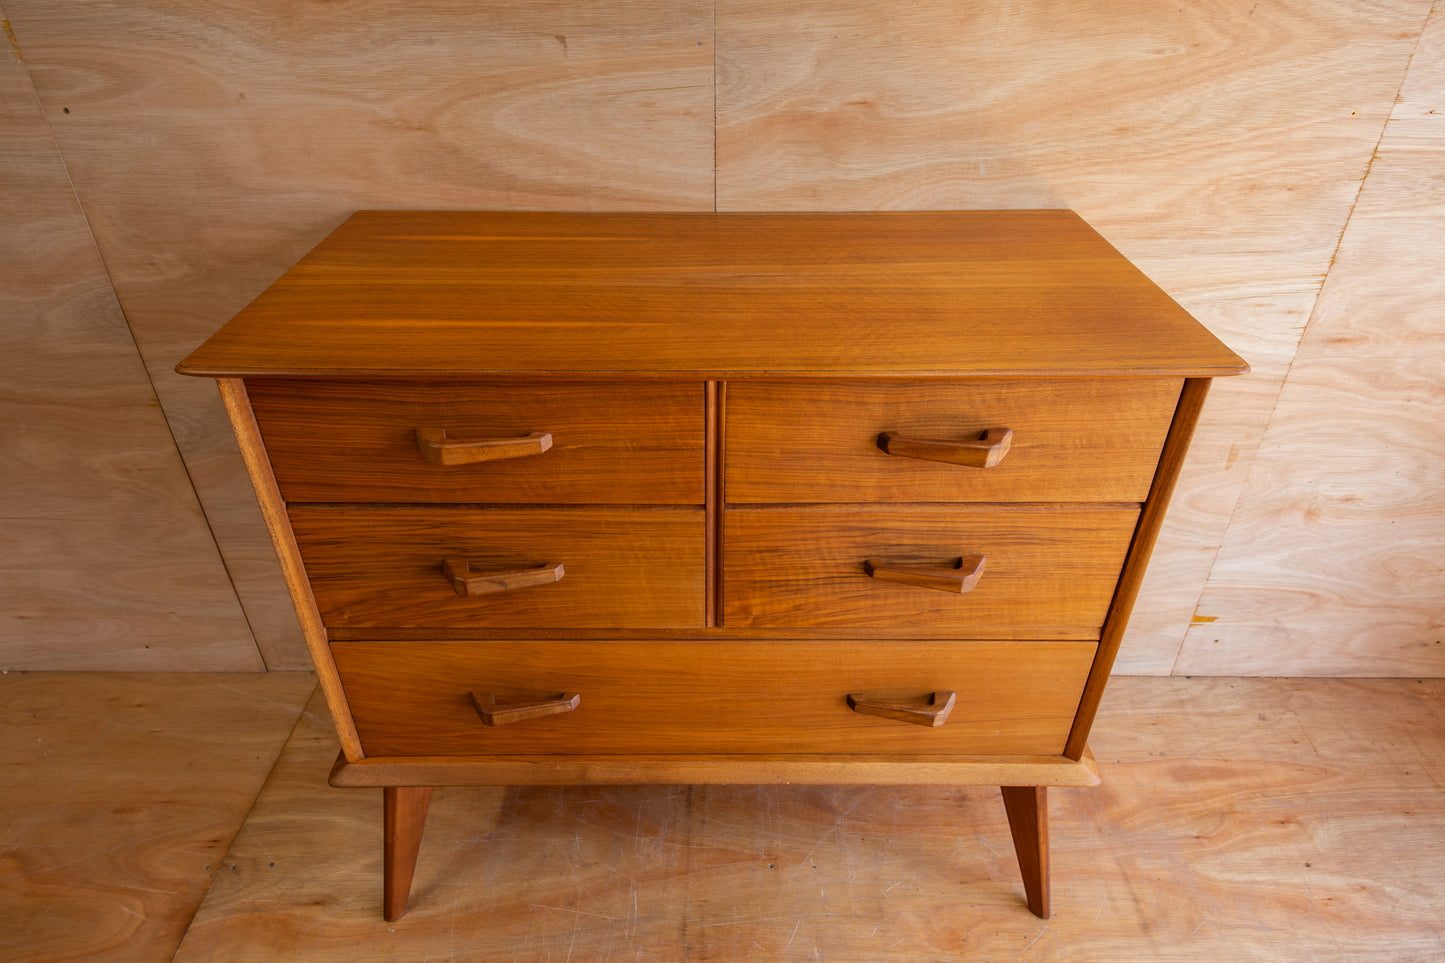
{"x": 1039, "y": 572}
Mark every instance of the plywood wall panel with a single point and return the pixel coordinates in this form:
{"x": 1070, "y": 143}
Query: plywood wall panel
{"x": 1335, "y": 561}
{"x": 213, "y": 144}
{"x": 1218, "y": 145}
{"x": 106, "y": 561}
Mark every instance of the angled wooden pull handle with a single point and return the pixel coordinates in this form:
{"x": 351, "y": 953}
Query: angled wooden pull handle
{"x": 441, "y": 450}
{"x": 466, "y": 582}
{"x": 960, "y": 577}
{"x": 496, "y": 713}
{"x": 983, "y": 451}
{"x": 933, "y": 712}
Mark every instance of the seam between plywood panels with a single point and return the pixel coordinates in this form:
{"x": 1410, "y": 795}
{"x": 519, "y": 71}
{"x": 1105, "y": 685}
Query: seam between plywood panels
{"x": 114, "y": 296}
{"x": 1196, "y": 618}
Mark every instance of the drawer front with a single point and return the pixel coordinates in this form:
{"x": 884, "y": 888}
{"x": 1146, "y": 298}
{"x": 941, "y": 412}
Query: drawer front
{"x": 610, "y": 443}
{"x": 711, "y": 697}
{"x": 1046, "y": 572}
{"x": 1072, "y": 441}
{"x": 621, "y": 568}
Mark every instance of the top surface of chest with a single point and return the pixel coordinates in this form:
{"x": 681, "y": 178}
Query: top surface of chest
{"x": 714, "y": 296}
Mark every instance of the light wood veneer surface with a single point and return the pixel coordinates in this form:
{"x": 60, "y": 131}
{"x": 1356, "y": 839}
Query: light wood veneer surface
{"x": 916, "y": 294}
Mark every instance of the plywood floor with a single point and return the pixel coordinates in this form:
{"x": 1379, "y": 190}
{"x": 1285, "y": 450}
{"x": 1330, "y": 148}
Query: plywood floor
{"x": 1248, "y": 819}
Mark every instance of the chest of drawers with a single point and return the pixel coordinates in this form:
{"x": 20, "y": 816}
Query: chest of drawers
{"x": 676, "y": 498}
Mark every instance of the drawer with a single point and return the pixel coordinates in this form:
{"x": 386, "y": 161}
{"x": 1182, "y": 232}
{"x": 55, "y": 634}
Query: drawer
{"x": 1046, "y": 572}
{"x": 622, "y": 568}
{"x": 610, "y": 443}
{"x": 1071, "y": 441}
{"x": 711, "y": 697}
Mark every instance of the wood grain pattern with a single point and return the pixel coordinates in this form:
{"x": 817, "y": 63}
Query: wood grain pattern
{"x": 930, "y": 709}
{"x": 403, "y": 819}
{"x": 1046, "y": 570}
{"x": 1289, "y": 820}
{"x": 1219, "y": 146}
{"x": 704, "y": 698}
{"x": 957, "y": 578}
{"x": 625, "y": 568}
{"x": 1141, "y": 548}
{"x": 106, "y": 560}
{"x": 441, "y": 447}
{"x": 752, "y": 769}
{"x": 293, "y": 571}
{"x": 704, "y": 296}
{"x": 1028, "y": 823}
{"x": 465, "y": 581}
{"x": 611, "y": 443}
{"x": 520, "y": 708}
{"x": 211, "y": 146}
{"x": 1336, "y": 565}
{"x": 983, "y": 449}
{"x": 1073, "y": 440}
{"x": 119, "y": 795}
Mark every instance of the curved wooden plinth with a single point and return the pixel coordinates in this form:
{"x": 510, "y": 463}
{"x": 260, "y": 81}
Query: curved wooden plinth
{"x": 737, "y": 770}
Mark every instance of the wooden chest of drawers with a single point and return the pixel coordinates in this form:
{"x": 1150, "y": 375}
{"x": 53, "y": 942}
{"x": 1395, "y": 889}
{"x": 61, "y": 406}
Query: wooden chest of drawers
{"x": 571, "y": 498}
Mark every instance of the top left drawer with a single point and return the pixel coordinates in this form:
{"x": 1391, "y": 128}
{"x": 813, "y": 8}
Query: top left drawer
{"x": 638, "y": 443}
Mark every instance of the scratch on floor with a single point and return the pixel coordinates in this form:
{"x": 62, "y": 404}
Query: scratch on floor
{"x": 575, "y": 912}
{"x": 766, "y": 919}
{"x": 260, "y": 698}
{"x": 647, "y": 90}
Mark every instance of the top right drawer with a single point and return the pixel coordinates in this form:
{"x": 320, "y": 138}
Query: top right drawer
{"x": 824, "y": 441}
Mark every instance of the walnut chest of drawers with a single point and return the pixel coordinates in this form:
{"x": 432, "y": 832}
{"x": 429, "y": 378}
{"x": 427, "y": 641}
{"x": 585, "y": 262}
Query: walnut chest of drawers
{"x": 689, "y": 498}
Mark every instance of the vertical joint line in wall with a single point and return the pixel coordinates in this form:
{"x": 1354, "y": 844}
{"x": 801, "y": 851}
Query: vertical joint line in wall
{"x": 1344, "y": 228}
{"x": 1370, "y": 165}
{"x": 1334, "y": 255}
{"x": 145, "y": 368}
{"x": 714, "y": 107}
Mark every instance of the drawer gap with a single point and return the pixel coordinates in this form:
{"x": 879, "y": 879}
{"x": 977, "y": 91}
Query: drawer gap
{"x": 490, "y": 506}
{"x": 1004, "y": 507}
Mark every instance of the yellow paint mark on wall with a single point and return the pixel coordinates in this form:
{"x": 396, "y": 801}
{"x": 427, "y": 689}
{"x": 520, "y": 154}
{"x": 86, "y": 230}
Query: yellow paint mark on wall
{"x": 1203, "y": 618}
{"x": 14, "y": 44}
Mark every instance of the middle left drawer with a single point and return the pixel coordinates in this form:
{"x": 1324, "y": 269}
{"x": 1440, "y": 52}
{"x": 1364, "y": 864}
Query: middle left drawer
{"x": 606, "y": 443}
{"x": 630, "y": 568}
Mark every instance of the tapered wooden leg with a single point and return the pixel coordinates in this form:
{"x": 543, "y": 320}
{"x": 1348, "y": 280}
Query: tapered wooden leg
{"x": 405, "y": 816}
{"x": 1028, "y": 821}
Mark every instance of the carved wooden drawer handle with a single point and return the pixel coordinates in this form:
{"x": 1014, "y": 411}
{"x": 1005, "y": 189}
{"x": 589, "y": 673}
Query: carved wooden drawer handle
{"x": 984, "y": 451}
{"x": 496, "y": 713}
{"x": 932, "y": 713}
{"x": 961, "y": 577}
{"x": 441, "y": 450}
{"x": 467, "y": 582}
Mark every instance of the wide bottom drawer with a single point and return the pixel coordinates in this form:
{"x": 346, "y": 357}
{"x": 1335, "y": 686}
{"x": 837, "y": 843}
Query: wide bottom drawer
{"x": 711, "y": 697}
